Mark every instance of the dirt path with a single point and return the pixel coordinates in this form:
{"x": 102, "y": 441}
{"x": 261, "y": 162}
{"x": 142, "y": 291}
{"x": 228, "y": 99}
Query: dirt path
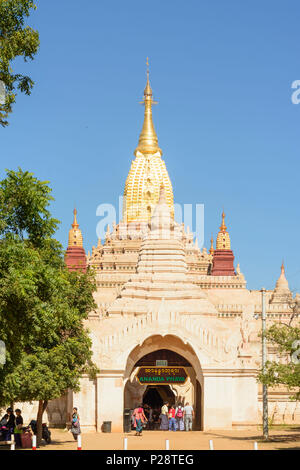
{"x": 155, "y": 440}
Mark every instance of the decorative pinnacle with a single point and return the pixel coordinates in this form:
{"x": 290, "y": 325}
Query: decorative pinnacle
{"x": 75, "y": 223}
{"x": 223, "y": 227}
{"x": 75, "y": 235}
{"x": 223, "y": 238}
{"x": 148, "y": 141}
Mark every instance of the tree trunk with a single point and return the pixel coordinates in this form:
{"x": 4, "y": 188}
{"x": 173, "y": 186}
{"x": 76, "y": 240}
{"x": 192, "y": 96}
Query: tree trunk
{"x": 39, "y": 421}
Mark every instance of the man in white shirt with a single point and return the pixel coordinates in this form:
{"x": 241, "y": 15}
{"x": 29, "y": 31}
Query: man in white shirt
{"x": 164, "y": 419}
{"x": 188, "y": 414}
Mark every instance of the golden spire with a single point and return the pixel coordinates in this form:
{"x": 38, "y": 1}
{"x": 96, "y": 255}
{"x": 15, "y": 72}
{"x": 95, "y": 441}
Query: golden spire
{"x": 211, "y": 250}
{"x": 147, "y": 173}
{"x": 223, "y": 227}
{"x": 75, "y": 223}
{"x": 223, "y": 238}
{"x": 148, "y": 141}
{"x": 75, "y": 235}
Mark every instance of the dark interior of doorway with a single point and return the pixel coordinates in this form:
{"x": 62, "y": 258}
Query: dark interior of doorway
{"x": 156, "y": 395}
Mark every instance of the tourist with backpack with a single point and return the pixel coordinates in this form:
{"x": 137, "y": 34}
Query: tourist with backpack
{"x": 179, "y": 417}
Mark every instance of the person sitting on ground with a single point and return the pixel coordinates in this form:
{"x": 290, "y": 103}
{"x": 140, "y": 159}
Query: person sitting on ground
{"x": 3, "y": 426}
{"x": 10, "y": 425}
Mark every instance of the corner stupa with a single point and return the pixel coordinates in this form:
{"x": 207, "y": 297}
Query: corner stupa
{"x": 281, "y": 293}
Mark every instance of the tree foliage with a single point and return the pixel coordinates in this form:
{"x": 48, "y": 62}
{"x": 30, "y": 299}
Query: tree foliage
{"x": 42, "y": 305}
{"x": 16, "y": 40}
{"x": 285, "y": 371}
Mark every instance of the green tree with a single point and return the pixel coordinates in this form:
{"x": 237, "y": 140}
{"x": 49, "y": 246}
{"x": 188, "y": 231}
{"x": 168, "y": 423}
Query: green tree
{"x": 16, "y": 40}
{"x": 42, "y": 305}
{"x": 285, "y": 371}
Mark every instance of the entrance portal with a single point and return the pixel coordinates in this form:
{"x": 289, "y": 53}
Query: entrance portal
{"x": 180, "y": 384}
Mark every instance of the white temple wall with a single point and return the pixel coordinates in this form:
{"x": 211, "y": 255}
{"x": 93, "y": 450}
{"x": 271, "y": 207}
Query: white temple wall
{"x": 217, "y": 402}
{"x": 244, "y": 401}
{"x": 85, "y": 402}
{"x": 110, "y": 400}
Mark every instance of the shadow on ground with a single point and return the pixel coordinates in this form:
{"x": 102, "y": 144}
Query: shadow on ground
{"x": 259, "y": 438}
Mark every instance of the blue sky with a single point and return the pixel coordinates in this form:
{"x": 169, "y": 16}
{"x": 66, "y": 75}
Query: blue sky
{"x": 222, "y": 73}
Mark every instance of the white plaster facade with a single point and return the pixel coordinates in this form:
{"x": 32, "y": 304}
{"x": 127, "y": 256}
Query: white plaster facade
{"x": 163, "y": 306}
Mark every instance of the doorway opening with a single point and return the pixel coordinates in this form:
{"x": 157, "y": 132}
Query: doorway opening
{"x": 150, "y": 355}
{"x": 156, "y": 395}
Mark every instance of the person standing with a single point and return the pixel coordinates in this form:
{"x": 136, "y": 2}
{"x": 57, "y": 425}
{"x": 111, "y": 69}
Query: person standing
{"x": 164, "y": 420}
{"x": 150, "y": 418}
{"x": 18, "y": 428}
{"x": 139, "y": 419}
{"x": 155, "y": 417}
{"x": 172, "y": 420}
{"x": 147, "y": 409}
{"x": 179, "y": 417}
{"x": 75, "y": 426}
{"x": 188, "y": 414}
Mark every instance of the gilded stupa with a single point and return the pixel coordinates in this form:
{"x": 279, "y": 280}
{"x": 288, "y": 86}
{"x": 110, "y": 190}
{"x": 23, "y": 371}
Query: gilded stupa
{"x": 75, "y": 256}
{"x": 223, "y": 238}
{"x": 223, "y": 256}
{"x": 75, "y": 235}
{"x": 148, "y": 171}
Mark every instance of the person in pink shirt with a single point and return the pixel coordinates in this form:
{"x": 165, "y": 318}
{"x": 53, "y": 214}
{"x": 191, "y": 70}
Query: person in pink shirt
{"x": 172, "y": 420}
{"x": 139, "y": 419}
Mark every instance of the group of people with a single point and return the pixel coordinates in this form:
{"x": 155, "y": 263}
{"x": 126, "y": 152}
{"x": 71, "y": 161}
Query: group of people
{"x": 11, "y": 424}
{"x": 176, "y": 418}
{"x": 170, "y": 418}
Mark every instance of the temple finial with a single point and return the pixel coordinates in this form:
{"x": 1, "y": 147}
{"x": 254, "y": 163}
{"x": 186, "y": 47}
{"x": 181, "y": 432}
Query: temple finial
{"x": 75, "y": 235}
{"x": 223, "y": 227}
{"x": 75, "y": 223}
{"x": 148, "y": 141}
{"x": 223, "y": 238}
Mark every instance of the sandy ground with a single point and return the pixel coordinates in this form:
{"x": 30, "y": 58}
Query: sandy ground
{"x": 282, "y": 438}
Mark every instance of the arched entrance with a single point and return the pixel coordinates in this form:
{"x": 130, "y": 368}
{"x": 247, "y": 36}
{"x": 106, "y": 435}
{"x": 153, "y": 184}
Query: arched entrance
{"x": 160, "y": 356}
{"x": 156, "y": 395}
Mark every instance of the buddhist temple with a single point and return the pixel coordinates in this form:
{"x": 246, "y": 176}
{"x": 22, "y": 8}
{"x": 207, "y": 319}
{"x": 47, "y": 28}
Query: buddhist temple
{"x": 165, "y": 305}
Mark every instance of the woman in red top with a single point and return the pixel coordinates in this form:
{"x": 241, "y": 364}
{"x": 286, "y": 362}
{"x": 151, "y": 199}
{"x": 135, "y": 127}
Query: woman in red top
{"x": 172, "y": 420}
{"x": 139, "y": 419}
